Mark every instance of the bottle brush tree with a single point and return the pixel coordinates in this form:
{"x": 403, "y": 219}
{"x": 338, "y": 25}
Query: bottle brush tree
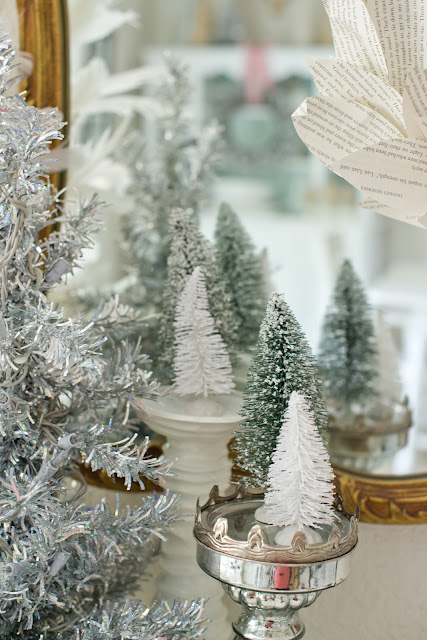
{"x": 300, "y": 490}
{"x": 243, "y": 271}
{"x": 66, "y": 570}
{"x": 188, "y": 250}
{"x": 202, "y": 365}
{"x": 348, "y": 352}
{"x": 283, "y": 363}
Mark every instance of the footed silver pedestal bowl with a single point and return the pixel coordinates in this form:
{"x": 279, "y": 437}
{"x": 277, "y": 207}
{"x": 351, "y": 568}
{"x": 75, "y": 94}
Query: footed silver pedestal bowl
{"x": 366, "y": 442}
{"x": 271, "y": 583}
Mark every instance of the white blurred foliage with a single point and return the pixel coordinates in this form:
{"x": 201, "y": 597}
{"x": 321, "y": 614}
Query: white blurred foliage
{"x": 93, "y": 21}
{"x": 91, "y": 165}
{"x": 96, "y": 90}
{"x": 106, "y": 111}
{"x": 91, "y": 159}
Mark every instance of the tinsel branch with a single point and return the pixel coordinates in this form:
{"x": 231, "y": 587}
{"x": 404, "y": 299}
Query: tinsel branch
{"x": 136, "y": 524}
{"x": 116, "y": 320}
{"x": 124, "y": 459}
{"x": 78, "y": 224}
{"x": 136, "y": 622}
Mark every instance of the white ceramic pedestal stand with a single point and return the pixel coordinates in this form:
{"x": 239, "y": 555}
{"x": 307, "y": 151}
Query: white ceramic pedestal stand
{"x": 199, "y": 446}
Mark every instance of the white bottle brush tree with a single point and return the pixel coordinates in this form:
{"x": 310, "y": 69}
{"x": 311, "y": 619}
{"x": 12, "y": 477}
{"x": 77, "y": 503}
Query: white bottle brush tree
{"x": 188, "y": 250}
{"x": 201, "y": 365}
{"x": 66, "y": 571}
{"x": 300, "y": 491}
{"x": 283, "y": 363}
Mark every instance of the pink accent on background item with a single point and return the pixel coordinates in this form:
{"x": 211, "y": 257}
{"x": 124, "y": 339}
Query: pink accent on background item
{"x": 257, "y": 75}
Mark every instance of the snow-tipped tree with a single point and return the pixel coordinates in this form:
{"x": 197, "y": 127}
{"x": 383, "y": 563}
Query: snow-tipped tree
{"x": 283, "y": 363}
{"x": 300, "y": 489}
{"x": 188, "y": 250}
{"x": 388, "y": 384}
{"x": 202, "y": 365}
{"x": 243, "y": 271}
{"x": 347, "y": 353}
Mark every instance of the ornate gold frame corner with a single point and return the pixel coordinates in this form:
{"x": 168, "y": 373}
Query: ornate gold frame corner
{"x": 44, "y": 33}
{"x": 384, "y": 499}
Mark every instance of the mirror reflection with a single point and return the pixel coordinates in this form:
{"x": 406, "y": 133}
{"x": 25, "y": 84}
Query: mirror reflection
{"x": 210, "y": 122}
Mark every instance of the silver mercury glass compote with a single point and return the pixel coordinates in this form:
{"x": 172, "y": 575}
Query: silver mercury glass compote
{"x": 270, "y": 582}
{"x": 366, "y": 442}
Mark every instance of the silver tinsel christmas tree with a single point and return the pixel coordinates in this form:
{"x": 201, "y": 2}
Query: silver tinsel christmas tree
{"x": 172, "y": 170}
{"x": 65, "y": 570}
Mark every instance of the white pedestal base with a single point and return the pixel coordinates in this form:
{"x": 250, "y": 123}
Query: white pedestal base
{"x": 199, "y": 446}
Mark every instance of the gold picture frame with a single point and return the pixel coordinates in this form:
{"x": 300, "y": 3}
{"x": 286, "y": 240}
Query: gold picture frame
{"x": 44, "y": 34}
{"x": 384, "y": 499}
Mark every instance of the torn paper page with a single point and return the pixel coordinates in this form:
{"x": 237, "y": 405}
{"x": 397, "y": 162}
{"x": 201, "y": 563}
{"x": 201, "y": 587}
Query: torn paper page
{"x": 333, "y": 127}
{"x": 415, "y": 102}
{"x": 400, "y": 28}
{"x": 355, "y": 38}
{"x": 336, "y": 78}
{"x": 379, "y": 70}
{"x": 392, "y": 172}
{"x": 395, "y": 214}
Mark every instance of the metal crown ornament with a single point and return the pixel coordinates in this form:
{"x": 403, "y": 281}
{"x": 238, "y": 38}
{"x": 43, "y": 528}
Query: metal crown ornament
{"x": 270, "y": 582}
